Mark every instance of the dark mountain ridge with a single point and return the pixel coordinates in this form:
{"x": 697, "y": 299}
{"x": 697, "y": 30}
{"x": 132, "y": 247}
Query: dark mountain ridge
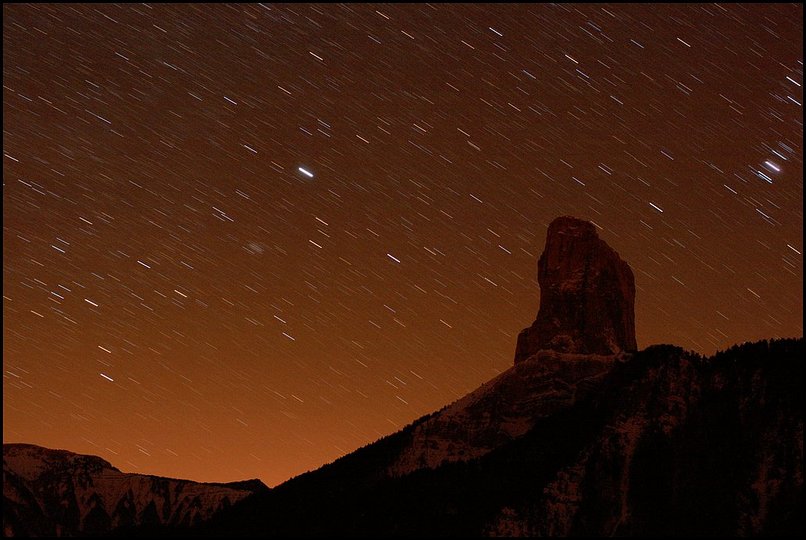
{"x": 670, "y": 443}
{"x": 583, "y": 435}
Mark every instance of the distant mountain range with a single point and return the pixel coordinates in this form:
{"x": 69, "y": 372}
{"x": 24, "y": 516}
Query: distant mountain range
{"x": 583, "y": 435}
{"x": 59, "y": 493}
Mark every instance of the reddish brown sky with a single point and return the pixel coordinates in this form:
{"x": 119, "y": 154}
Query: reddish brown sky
{"x": 181, "y": 299}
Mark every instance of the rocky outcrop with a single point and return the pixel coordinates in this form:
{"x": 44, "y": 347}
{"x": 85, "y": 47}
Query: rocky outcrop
{"x": 586, "y": 319}
{"x": 587, "y": 295}
{"x": 58, "y": 493}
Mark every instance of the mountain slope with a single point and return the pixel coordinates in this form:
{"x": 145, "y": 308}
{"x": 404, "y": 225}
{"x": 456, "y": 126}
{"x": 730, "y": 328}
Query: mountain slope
{"x": 501, "y": 410}
{"x": 58, "y": 493}
{"x": 666, "y": 443}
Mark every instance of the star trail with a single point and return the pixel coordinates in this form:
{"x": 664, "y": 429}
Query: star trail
{"x": 241, "y": 241}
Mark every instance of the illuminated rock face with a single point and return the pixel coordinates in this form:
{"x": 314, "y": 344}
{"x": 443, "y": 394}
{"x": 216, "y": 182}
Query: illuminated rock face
{"x": 587, "y": 295}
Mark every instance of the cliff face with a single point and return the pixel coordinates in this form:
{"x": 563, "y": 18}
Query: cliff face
{"x": 58, "y": 493}
{"x": 587, "y": 295}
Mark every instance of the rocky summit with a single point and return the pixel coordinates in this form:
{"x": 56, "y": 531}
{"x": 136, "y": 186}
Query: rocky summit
{"x": 587, "y": 295}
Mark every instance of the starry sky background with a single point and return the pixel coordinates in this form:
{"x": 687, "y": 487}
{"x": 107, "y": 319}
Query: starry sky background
{"x": 180, "y": 298}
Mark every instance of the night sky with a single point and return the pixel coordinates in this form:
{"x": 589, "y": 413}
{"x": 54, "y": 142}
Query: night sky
{"x": 241, "y": 241}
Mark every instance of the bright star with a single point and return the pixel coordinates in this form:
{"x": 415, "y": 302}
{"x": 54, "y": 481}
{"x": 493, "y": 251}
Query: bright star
{"x": 772, "y": 166}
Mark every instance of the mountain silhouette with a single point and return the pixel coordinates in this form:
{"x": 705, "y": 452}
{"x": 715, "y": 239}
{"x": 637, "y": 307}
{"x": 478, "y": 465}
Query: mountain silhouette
{"x": 666, "y": 442}
{"x": 583, "y": 435}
